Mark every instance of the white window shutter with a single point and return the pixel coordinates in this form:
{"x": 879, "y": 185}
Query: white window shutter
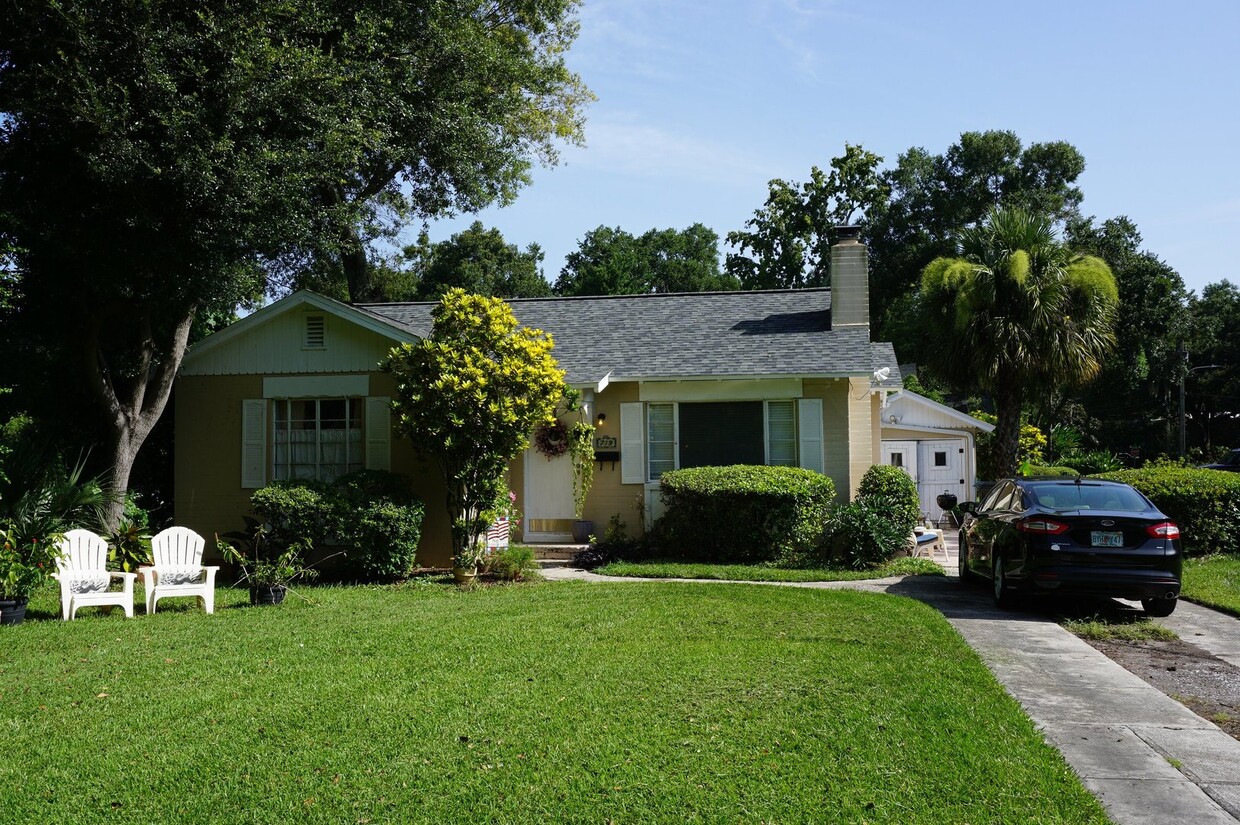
{"x": 632, "y": 444}
{"x": 253, "y": 443}
{"x": 379, "y": 433}
{"x": 809, "y": 411}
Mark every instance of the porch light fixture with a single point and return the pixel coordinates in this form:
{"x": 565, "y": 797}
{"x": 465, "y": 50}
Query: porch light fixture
{"x": 601, "y": 418}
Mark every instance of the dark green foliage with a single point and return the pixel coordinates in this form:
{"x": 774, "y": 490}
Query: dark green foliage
{"x": 1204, "y": 503}
{"x": 615, "y": 545}
{"x": 863, "y": 536}
{"x": 744, "y": 513}
{"x": 893, "y": 493}
{"x": 787, "y": 243}
{"x": 1091, "y": 461}
{"x": 370, "y": 516}
{"x": 513, "y": 563}
{"x": 477, "y": 260}
{"x": 614, "y": 262}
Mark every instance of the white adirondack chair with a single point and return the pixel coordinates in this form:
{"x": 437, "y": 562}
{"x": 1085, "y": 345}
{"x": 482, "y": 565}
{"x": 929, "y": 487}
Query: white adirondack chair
{"x": 178, "y": 569}
{"x": 82, "y": 569}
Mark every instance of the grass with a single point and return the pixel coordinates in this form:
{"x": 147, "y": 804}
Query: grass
{"x": 1213, "y": 581}
{"x": 672, "y": 569}
{"x": 1119, "y": 629}
{"x": 554, "y": 702}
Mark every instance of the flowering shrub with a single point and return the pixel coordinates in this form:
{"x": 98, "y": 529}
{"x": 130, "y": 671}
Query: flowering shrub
{"x": 26, "y": 564}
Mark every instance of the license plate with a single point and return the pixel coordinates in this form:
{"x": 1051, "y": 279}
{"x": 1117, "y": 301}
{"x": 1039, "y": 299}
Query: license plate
{"x": 1100, "y": 538}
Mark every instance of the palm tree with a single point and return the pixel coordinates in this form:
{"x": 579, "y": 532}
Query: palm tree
{"x": 1017, "y": 315}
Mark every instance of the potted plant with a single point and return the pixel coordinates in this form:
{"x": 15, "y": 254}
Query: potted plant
{"x": 465, "y": 562}
{"x": 581, "y": 450}
{"x": 268, "y": 565}
{"x": 26, "y": 564}
{"x": 38, "y": 502}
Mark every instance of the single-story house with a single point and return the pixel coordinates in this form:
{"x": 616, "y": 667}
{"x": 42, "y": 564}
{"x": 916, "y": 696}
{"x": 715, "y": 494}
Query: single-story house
{"x": 671, "y": 380}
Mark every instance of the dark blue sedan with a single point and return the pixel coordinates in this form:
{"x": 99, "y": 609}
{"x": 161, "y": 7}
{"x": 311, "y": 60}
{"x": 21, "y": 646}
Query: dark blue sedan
{"x": 1072, "y": 536}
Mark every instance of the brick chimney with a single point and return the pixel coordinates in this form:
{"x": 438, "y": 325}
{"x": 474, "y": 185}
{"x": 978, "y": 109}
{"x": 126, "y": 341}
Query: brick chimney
{"x": 850, "y": 279}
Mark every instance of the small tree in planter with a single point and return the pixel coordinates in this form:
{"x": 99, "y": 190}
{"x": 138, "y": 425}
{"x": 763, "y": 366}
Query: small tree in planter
{"x": 468, "y": 396}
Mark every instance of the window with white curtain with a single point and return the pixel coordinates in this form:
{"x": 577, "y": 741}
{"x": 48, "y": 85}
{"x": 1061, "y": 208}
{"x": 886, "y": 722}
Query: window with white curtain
{"x": 661, "y": 438}
{"x": 316, "y": 438}
{"x": 781, "y": 434}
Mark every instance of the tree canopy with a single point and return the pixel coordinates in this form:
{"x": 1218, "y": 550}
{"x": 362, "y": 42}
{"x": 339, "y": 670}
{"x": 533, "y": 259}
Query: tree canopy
{"x": 611, "y": 261}
{"x": 159, "y": 160}
{"x": 1016, "y": 314}
{"x": 477, "y": 260}
{"x": 787, "y": 243}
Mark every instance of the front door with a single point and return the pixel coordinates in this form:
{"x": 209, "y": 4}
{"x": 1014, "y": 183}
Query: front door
{"x": 548, "y": 505}
{"x": 941, "y": 464}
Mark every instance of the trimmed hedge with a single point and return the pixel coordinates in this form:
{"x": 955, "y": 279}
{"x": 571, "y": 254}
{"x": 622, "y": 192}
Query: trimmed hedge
{"x": 1035, "y": 471}
{"x": 891, "y": 492}
{"x": 744, "y": 513}
{"x": 369, "y": 515}
{"x": 1204, "y": 503}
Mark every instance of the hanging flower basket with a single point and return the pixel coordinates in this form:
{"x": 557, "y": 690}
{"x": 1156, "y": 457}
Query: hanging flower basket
{"x": 551, "y": 439}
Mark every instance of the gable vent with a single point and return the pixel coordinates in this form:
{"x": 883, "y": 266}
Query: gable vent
{"x": 315, "y": 332}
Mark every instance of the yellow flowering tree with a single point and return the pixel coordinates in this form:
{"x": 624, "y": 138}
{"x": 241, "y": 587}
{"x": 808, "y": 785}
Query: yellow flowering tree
{"x": 469, "y": 396}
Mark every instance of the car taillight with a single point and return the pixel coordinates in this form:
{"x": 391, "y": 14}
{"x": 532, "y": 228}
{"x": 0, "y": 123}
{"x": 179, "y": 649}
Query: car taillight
{"x": 1164, "y": 530}
{"x": 1044, "y": 526}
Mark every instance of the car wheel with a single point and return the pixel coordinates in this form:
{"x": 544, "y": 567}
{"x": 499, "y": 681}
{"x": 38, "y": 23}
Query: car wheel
{"x": 1159, "y": 607}
{"x": 1004, "y": 597}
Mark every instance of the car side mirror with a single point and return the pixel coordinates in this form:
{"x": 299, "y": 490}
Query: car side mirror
{"x": 969, "y": 507}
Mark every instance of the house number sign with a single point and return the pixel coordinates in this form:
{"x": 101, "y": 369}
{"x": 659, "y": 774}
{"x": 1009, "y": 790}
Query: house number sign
{"x": 606, "y": 442}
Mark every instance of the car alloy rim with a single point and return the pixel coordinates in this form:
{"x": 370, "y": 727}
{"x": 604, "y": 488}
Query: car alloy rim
{"x": 998, "y": 578}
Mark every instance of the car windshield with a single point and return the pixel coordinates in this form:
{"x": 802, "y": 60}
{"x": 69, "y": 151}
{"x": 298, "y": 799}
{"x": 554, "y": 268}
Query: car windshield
{"x": 1073, "y": 496}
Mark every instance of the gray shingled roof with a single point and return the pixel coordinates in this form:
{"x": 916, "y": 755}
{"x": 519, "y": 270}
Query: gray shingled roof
{"x": 784, "y": 332}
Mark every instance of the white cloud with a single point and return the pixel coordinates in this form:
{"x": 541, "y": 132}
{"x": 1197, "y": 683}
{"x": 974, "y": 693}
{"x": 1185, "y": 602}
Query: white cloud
{"x": 633, "y": 148}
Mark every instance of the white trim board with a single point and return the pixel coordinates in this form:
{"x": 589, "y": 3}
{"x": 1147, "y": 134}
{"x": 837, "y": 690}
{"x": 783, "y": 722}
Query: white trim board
{"x": 774, "y": 389}
{"x": 316, "y": 386}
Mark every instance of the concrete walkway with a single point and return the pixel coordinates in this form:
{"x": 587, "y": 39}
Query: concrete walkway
{"x": 1147, "y": 758}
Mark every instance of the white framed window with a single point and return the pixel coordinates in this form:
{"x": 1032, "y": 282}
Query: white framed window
{"x": 719, "y": 433}
{"x": 781, "y": 434}
{"x": 660, "y": 439}
{"x": 316, "y": 438}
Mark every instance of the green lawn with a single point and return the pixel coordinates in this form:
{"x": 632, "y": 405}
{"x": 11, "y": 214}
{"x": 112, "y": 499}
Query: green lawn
{"x": 671, "y": 569}
{"x": 1213, "y": 581}
{"x": 552, "y": 702}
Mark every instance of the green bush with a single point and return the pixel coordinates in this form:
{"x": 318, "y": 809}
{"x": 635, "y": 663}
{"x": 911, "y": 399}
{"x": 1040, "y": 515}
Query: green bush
{"x": 744, "y": 513}
{"x": 1204, "y": 503}
{"x": 514, "y": 563}
{"x": 863, "y": 537}
{"x": 1035, "y": 471}
{"x": 892, "y": 492}
{"x": 370, "y": 516}
{"x": 1092, "y": 461}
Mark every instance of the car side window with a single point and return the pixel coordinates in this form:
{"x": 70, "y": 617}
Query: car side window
{"x": 997, "y": 498}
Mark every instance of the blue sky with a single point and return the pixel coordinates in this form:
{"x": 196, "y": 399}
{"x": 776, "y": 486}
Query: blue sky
{"x": 701, "y": 103}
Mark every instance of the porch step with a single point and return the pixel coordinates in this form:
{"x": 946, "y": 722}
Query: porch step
{"x": 556, "y": 552}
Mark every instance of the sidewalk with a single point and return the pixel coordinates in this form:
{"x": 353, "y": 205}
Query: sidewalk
{"x": 1148, "y": 758}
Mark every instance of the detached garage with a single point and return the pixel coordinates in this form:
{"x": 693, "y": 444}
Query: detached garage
{"x": 932, "y": 443}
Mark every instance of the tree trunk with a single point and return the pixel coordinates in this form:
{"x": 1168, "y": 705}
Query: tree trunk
{"x": 131, "y": 411}
{"x": 1008, "y": 399}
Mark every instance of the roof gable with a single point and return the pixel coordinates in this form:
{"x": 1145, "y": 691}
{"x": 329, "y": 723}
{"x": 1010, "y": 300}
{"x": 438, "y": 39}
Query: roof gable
{"x": 271, "y": 340}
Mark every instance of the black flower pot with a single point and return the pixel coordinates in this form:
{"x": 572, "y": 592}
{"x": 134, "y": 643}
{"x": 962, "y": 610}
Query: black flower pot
{"x": 267, "y": 594}
{"x": 13, "y": 611}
